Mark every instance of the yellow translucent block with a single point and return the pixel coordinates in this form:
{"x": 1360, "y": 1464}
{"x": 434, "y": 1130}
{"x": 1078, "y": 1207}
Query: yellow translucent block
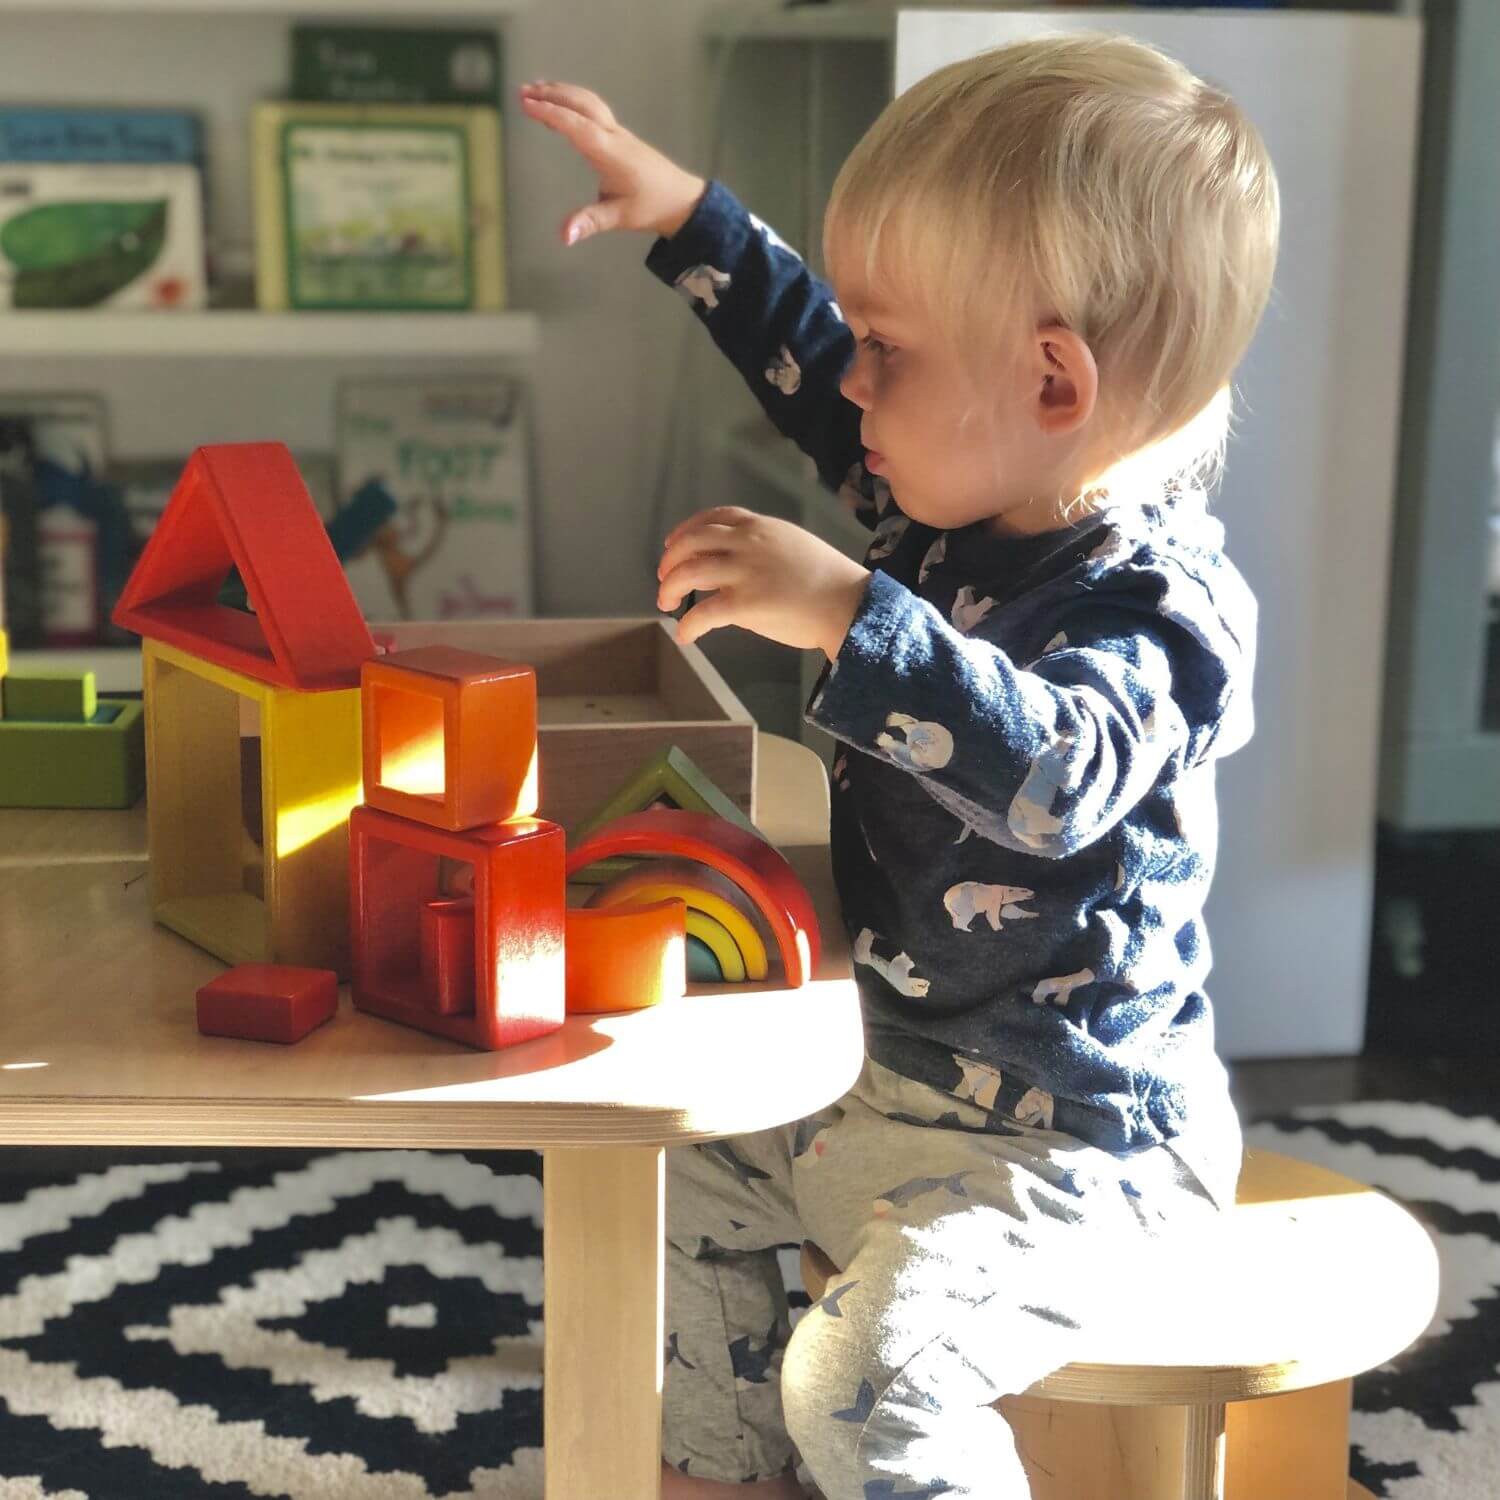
{"x": 248, "y": 792}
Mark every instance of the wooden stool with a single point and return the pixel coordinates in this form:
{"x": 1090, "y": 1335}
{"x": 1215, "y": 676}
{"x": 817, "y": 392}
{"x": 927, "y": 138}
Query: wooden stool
{"x": 1239, "y": 1385}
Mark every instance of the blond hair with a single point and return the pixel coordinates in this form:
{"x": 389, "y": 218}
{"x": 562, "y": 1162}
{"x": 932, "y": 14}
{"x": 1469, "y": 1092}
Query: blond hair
{"x": 1087, "y": 180}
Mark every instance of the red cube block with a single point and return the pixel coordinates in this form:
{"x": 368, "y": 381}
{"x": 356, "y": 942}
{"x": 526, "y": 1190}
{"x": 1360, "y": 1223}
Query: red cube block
{"x": 268, "y": 1002}
{"x": 395, "y": 871}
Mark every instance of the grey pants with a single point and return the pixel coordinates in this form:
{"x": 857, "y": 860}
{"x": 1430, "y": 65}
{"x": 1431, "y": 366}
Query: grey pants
{"x": 973, "y": 1264}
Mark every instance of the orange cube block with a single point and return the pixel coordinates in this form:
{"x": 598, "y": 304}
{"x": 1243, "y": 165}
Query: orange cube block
{"x": 449, "y": 737}
{"x": 626, "y": 957}
{"x": 268, "y": 1002}
{"x": 448, "y": 970}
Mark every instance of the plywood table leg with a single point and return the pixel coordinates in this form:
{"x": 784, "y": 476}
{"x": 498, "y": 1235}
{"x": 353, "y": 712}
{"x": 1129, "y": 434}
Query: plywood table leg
{"x": 1203, "y": 1456}
{"x": 603, "y": 1211}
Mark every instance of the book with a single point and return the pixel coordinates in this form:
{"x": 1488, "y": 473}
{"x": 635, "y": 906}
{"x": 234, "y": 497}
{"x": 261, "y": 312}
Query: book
{"x": 395, "y": 65}
{"x": 373, "y": 208}
{"x": 101, "y": 234}
{"x": 454, "y": 456}
{"x": 62, "y": 133}
{"x": 53, "y": 458}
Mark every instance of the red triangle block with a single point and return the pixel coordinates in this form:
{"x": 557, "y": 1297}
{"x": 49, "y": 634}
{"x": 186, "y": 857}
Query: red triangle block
{"x": 245, "y": 505}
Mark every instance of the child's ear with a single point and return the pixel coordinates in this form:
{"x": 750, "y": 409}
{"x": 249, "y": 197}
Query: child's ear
{"x": 1067, "y": 380}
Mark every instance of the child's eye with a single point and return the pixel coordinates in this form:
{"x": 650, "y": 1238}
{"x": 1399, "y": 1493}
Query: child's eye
{"x": 882, "y": 350}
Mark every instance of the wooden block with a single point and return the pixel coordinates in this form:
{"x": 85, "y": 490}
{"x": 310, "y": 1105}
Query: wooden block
{"x": 448, "y": 955}
{"x": 244, "y": 506}
{"x": 304, "y": 770}
{"x": 705, "y": 893}
{"x": 758, "y": 869}
{"x": 4, "y": 657}
{"x": 670, "y": 778}
{"x": 611, "y": 693}
{"x": 449, "y": 737}
{"x": 50, "y": 697}
{"x": 702, "y": 966}
{"x": 98, "y": 764}
{"x": 396, "y": 867}
{"x": 626, "y": 957}
{"x": 268, "y": 1002}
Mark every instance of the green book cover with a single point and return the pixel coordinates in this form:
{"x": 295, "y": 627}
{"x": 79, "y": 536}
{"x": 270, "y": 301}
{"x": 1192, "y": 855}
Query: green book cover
{"x": 395, "y": 65}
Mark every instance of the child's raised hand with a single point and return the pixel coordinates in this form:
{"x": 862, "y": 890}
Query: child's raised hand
{"x": 768, "y": 576}
{"x": 639, "y": 188}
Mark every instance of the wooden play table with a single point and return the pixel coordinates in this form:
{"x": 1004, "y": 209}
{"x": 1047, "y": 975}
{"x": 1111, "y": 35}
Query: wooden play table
{"x": 99, "y": 1046}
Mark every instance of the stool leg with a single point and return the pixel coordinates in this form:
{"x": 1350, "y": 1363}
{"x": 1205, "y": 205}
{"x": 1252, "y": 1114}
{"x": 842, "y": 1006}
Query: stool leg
{"x": 1074, "y": 1449}
{"x": 1296, "y": 1443}
{"x": 1203, "y": 1453}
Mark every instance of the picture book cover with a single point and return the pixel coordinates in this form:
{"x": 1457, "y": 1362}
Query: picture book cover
{"x": 101, "y": 234}
{"x": 395, "y": 65}
{"x": 378, "y": 208}
{"x": 86, "y": 133}
{"x": 53, "y": 459}
{"x": 437, "y": 474}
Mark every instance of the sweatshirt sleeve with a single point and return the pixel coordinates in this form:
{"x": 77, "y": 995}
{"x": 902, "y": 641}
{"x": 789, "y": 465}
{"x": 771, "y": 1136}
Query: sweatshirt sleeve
{"x": 781, "y": 329}
{"x": 1044, "y": 758}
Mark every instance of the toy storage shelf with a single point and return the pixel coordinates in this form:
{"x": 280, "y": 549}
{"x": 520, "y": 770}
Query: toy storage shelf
{"x": 237, "y": 332}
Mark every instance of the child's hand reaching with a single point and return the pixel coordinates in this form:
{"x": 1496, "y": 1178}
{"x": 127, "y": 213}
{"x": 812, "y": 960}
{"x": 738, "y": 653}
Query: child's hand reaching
{"x": 639, "y": 188}
{"x": 768, "y": 576}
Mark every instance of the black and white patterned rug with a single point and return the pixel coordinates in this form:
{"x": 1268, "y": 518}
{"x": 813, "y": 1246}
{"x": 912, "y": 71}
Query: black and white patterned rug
{"x": 332, "y": 1326}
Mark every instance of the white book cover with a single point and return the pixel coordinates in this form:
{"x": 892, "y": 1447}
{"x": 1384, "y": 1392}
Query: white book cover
{"x": 454, "y": 533}
{"x": 107, "y": 234}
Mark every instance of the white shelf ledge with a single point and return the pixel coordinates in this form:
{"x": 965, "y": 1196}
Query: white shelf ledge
{"x": 330, "y": 10}
{"x": 274, "y": 335}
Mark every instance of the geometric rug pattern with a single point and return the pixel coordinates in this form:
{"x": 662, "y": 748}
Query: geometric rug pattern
{"x": 347, "y": 1324}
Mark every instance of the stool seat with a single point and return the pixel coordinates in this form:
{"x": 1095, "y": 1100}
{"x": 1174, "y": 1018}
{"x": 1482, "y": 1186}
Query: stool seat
{"x": 1311, "y": 1279}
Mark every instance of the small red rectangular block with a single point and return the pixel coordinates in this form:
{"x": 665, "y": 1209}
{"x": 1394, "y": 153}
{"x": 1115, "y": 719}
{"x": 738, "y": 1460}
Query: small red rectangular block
{"x": 268, "y": 1002}
{"x": 448, "y": 955}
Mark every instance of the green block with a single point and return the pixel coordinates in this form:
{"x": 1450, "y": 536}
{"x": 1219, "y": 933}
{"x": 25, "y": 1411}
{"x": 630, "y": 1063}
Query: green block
{"x": 671, "y": 779}
{"x": 51, "y": 697}
{"x": 702, "y": 966}
{"x": 98, "y": 764}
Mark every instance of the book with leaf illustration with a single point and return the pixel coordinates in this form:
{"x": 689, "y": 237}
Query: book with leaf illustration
{"x": 101, "y": 234}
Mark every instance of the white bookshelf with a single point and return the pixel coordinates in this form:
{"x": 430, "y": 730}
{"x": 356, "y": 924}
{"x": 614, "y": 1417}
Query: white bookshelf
{"x": 233, "y": 333}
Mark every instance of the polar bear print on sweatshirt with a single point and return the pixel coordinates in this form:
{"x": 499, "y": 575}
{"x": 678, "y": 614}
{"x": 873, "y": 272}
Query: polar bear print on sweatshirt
{"x": 1060, "y": 990}
{"x": 1054, "y": 769}
{"x": 897, "y": 971}
{"x": 887, "y": 537}
{"x": 784, "y": 372}
{"x": 772, "y": 238}
{"x": 979, "y": 1081}
{"x": 969, "y": 611}
{"x": 921, "y": 747}
{"x": 703, "y": 284}
{"x": 969, "y": 899}
{"x": 1035, "y": 1108}
{"x": 937, "y": 553}
{"x": 841, "y": 771}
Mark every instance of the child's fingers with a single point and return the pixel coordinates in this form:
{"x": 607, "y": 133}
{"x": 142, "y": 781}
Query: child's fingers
{"x": 590, "y": 140}
{"x": 597, "y": 218}
{"x": 701, "y": 539}
{"x": 709, "y": 615}
{"x": 722, "y": 515}
{"x": 585, "y": 101}
{"x": 701, "y": 574}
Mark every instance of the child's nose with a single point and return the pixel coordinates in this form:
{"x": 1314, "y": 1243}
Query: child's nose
{"x": 856, "y": 383}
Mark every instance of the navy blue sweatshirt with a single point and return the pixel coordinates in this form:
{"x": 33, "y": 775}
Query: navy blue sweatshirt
{"x": 1024, "y": 822}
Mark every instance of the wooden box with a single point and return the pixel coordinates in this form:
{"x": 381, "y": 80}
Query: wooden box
{"x": 610, "y": 694}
